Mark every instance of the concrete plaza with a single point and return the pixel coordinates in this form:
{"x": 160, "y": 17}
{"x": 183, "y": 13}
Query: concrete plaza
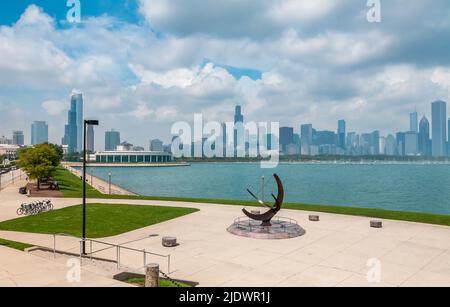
{"x": 337, "y": 251}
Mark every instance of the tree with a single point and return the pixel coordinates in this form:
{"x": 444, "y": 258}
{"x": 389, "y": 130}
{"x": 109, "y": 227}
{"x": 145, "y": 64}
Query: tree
{"x": 58, "y": 149}
{"x": 39, "y": 161}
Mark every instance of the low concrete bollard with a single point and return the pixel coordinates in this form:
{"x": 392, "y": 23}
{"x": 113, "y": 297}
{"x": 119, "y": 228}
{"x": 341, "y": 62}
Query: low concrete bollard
{"x": 152, "y": 275}
{"x": 314, "y": 218}
{"x": 169, "y": 242}
{"x": 376, "y": 224}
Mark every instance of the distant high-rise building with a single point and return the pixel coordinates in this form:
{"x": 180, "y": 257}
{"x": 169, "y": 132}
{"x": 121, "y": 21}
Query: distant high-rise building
{"x": 238, "y": 117}
{"x": 448, "y": 134}
{"x": 239, "y": 133}
{"x": 401, "y": 143}
{"x": 71, "y": 129}
{"x": 306, "y": 139}
{"x": 424, "y": 137}
{"x": 156, "y": 145}
{"x": 77, "y": 100}
{"x": 325, "y": 138}
{"x": 90, "y": 137}
{"x": 390, "y": 146}
{"x": 439, "y": 122}
{"x": 411, "y": 144}
{"x": 286, "y": 138}
{"x": 39, "y": 133}
{"x": 112, "y": 140}
{"x": 375, "y": 143}
{"x": 342, "y": 134}
{"x": 18, "y": 138}
{"x": 413, "y": 121}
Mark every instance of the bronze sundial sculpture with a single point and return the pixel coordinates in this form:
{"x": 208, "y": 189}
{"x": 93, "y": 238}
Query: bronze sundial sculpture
{"x": 269, "y": 215}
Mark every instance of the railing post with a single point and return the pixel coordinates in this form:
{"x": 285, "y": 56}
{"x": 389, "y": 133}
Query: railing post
{"x": 145, "y": 258}
{"x": 118, "y": 257}
{"x": 168, "y": 264}
{"x": 54, "y": 246}
{"x": 81, "y": 252}
{"x": 90, "y": 248}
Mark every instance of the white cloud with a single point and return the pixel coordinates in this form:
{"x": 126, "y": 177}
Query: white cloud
{"x": 54, "y": 107}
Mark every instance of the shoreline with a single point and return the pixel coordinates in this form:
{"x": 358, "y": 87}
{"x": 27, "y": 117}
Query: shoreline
{"x": 124, "y": 165}
{"x": 101, "y": 185}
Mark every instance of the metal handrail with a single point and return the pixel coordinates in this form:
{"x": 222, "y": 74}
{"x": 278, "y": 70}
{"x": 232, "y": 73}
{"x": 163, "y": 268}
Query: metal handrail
{"x": 118, "y": 247}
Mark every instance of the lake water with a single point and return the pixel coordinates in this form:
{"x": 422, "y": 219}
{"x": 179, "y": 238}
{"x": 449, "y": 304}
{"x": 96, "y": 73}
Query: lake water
{"x": 405, "y": 187}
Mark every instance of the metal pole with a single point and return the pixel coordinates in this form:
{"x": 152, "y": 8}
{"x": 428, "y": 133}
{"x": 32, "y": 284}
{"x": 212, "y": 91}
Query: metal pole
{"x": 84, "y": 190}
{"x": 109, "y": 183}
{"x": 262, "y": 188}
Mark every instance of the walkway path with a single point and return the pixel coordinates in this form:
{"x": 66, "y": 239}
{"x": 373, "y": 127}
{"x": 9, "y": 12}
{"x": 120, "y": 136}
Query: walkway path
{"x": 99, "y": 184}
{"x": 334, "y": 252}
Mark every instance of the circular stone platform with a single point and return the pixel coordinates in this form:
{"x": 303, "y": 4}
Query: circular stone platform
{"x": 282, "y": 228}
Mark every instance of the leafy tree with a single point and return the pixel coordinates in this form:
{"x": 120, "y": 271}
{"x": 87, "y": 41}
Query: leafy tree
{"x": 39, "y": 161}
{"x": 59, "y": 150}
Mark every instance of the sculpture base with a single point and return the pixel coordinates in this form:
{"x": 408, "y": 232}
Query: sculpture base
{"x": 281, "y": 228}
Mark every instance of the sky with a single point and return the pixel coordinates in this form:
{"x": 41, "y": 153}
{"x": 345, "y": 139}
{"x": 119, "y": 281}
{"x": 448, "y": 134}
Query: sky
{"x": 143, "y": 65}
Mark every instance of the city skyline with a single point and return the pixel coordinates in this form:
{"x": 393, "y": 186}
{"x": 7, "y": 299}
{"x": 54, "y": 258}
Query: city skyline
{"x": 276, "y": 71}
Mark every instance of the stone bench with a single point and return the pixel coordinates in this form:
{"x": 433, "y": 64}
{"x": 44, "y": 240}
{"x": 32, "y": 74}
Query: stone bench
{"x": 169, "y": 242}
{"x": 376, "y": 224}
{"x": 314, "y": 218}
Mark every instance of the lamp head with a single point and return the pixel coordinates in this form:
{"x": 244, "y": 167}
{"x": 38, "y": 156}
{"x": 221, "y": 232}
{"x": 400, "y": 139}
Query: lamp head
{"x": 92, "y": 122}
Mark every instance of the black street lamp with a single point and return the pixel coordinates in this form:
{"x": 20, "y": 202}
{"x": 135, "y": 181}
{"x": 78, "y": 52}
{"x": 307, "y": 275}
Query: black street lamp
{"x": 86, "y": 123}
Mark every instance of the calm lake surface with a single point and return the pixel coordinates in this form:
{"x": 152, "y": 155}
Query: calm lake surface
{"x": 405, "y": 187}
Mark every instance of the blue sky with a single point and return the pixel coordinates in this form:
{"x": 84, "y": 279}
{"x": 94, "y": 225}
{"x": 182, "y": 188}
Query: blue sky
{"x": 144, "y": 64}
{"x": 123, "y": 9}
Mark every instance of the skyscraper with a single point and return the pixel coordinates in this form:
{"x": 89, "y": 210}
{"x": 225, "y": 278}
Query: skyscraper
{"x": 439, "y": 122}
{"x": 342, "y": 134}
{"x": 77, "y": 100}
{"x": 239, "y": 136}
{"x": 238, "y": 117}
{"x": 306, "y": 139}
{"x": 18, "y": 138}
{"x": 448, "y": 134}
{"x": 411, "y": 144}
{"x": 90, "y": 137}
{"x": 413, "y": 122}
{"x": 375, "y": 143}
{"x": 112, "y": 140}
{"x": 390, "y": 146}
{"x": 424, "y": 138}
{"x": 401, "y": 143}
{"x": 286, "y": 138}
{"x": 39, "y": 132}
{"x": 71, "y": 129}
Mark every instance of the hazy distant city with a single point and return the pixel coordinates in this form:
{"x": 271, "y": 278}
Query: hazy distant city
{"x": 424, "y": 138}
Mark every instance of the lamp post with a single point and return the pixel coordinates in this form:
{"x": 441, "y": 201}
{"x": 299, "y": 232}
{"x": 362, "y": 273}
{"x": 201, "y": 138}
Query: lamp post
{"x": 86, "y": 123}
{"x": 109, "y": 175}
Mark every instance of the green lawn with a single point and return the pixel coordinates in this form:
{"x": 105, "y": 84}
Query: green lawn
{"x": 14, "y": 245}
{"x": 102, "y": 220}
{"x": 163, "y": 283}
{"x": 71, "y": 187}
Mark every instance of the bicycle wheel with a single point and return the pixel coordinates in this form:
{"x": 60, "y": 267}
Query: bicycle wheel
{"x": 19, "y": 211}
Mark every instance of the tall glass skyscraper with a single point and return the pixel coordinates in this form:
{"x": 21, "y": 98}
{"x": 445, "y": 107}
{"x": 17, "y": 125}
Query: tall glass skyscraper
{"x": 71, "y": 129}
{"x": 413, "y": 121}
{"x": 306, "y": 139}
{"x": 77, "y": 100}
{"x": 342, "y": 134}
{"x": 112, "y": 139}
{"x": 424, "y": 137}
{"x": 238, "y": 117}
{"x": 286, "y": 138}
{"x": 18, "y": 138}
{"x": 90, "y": 139}
{"x": 39, "y": 133}
{"x": 439, "y": 123}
